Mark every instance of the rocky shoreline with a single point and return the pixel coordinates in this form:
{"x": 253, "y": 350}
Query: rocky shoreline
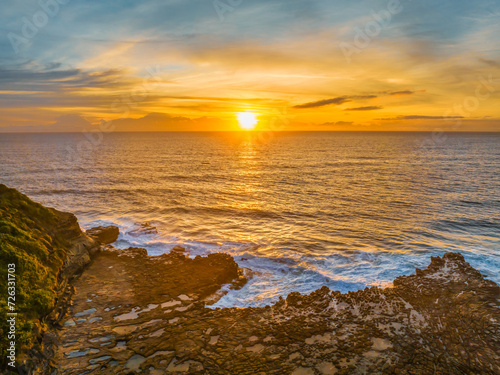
{"x": 443, "y": 320}
{"x": 129, "y": 313}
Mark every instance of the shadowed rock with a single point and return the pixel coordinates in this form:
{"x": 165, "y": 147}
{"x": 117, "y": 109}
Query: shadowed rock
{"x": 104, "y": 235}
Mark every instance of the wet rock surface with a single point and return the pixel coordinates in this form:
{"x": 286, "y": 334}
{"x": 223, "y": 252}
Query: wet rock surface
{"x": 105, "y": 235}
{"x": 142, "y": 229}
{"x": 137, "y": 314}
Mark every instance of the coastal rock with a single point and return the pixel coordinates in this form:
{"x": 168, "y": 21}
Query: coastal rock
{"x": 104, "y": 235}
{"x": 444, "y": 320}
{"x": 178, "y": 249}
{"x": 80, "y": 248}
{"x": 142, "y": 229}
{"x": 131, "y": 252}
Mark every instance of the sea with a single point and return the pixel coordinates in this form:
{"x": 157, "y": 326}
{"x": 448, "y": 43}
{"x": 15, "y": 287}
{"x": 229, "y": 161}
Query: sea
{"x": 299, "y": 209}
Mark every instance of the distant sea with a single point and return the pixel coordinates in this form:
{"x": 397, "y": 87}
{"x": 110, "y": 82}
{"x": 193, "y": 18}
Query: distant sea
{"x": 301, "y": 210}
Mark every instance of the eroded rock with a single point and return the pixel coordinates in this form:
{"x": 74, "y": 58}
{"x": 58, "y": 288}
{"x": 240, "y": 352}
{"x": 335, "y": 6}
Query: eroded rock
{"x": 104, "y": 235}
{"x": 444, "y": 320}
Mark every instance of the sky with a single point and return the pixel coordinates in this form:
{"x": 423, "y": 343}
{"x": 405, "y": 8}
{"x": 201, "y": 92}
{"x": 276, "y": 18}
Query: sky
{"x": 174, "y": 65}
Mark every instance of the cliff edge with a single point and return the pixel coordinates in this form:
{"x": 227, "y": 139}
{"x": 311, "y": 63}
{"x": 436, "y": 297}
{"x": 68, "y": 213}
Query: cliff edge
{"x": 47, "y": 249}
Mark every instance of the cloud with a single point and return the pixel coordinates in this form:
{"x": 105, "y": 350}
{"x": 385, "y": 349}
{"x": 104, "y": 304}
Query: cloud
{"x": 17, "y": 75}
{"x": 405, "y": 92}
{"x": 322, "y": 103}
{"x": 167, "y": 122}
{"x": 489, "y": 62}
{"x": 337, "y": 101}
{"x": 55, "y": 78}
{"x": 152, "y": 122}
{"x": 419, "y": 117}
{"x": 338, "y": 123}
{"x": 368, "y": 108}
{"x": 63, "y": 124}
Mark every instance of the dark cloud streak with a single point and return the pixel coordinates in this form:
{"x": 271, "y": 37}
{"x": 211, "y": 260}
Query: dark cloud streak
{"x": 368, "y": 108}
{"x": 419, "y": 117}
{"x": 336, "y": 101}
{"x": 405, "y": 92}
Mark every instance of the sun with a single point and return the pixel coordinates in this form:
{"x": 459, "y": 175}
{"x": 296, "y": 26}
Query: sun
{"x": 247, "y": 120}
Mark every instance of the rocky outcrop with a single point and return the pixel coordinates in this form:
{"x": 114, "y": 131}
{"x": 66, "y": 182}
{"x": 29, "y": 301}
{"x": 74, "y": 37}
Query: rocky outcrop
{"x": 134, "y": 313}
{"x": 105, "y": 235}
{"x": 124, "y": 290}
{"x": 142, "y": 229}
{"x": 48, "y": 250}
{"x": 80, "y": 247}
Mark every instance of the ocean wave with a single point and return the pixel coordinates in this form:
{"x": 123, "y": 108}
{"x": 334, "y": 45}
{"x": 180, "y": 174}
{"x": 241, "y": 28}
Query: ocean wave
{"x": 278, "y": 272}
{"x": 466, "y": 224}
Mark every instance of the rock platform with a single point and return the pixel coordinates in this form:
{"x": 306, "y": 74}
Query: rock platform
{"x": 137, "y": 314}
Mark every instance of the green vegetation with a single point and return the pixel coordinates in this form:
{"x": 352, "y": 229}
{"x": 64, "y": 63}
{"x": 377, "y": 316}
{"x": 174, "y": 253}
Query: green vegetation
{"x": 28, "y": 239}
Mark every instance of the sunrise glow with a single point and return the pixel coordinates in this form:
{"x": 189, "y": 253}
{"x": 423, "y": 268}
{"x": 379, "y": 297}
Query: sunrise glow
{"x": 247, "y": 120}
{"x": 366, "y": 66}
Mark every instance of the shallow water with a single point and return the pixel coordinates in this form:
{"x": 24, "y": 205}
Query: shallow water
{"x": 302, "y": 210}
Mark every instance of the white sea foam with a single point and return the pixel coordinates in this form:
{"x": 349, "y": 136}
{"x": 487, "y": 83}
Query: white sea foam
{"x": 275, "y": 276}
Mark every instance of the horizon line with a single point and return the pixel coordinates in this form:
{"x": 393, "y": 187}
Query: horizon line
{"x": 437, "y": 131}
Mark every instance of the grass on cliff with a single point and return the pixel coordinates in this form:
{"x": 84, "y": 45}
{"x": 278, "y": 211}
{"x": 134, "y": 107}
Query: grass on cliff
{"x": 27, "y": 240}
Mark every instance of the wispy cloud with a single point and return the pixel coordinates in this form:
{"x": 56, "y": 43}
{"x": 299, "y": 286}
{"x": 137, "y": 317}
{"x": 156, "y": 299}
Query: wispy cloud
{"x": 419, "y": 117}
{"x": 334, "y": 101}
{"x": 322, "y": 103}
{"x": 368, "y": 108}
{"x": 489, "y": 62}
{"x": 398, "y": 93}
